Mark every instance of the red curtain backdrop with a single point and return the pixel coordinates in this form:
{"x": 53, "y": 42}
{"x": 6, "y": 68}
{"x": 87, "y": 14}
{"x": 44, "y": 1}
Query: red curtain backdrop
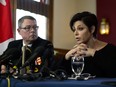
{"x": 6, "y": 34}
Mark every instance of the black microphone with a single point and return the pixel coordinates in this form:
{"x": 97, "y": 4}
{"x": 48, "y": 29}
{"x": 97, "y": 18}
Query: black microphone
{"x": 37, "y": 52}
{"x": 46, "y": 55}
{"x": 59, "y": 74}
{"x": 44, "y": 70}
{"x": 6, "y": 53}
{"x": 8, "y": 56}
{"x": 10, "y": 53}
{"x": 30, "y": 77}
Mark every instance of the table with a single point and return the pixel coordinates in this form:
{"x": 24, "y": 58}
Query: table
{"x": 96, "y": 82}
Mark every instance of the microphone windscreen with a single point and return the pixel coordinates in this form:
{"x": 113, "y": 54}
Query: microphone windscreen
{"x": 37, "y": 52}
{"x": 44, "y": 69}
{"x": 39, "y": 49}
{"x": 10, "y": 51}
{"x": 9, "y": 54}
{"x": 14, "y": 53}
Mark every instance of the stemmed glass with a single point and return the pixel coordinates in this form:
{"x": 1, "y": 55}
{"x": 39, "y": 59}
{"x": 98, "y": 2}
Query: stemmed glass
{"x": 77, "y": 64}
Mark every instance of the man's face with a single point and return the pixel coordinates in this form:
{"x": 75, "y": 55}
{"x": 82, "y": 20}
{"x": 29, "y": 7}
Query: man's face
{"x": 28, "y": 30}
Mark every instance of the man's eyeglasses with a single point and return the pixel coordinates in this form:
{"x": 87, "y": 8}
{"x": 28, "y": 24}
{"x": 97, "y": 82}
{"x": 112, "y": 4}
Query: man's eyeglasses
{"x": 28, "y": 28}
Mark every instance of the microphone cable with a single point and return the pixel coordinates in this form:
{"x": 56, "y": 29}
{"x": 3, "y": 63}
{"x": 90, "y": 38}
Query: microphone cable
{"x": 59, "y": 74}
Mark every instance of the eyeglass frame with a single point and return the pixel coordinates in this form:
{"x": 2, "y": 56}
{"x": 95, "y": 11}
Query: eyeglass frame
{"x": 28, "y": 28}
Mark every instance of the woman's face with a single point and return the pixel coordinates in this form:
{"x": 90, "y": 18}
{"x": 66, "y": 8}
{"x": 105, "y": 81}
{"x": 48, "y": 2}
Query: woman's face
{"x": 81, "y": 32}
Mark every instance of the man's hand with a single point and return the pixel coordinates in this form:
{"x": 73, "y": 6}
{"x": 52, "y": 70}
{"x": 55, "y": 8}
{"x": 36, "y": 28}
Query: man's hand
{"x": 3, "y": 69}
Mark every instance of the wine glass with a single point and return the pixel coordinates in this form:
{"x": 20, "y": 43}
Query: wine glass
{"x": 77, "y": 64}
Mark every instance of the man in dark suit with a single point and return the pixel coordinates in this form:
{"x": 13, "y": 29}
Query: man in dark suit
{"x": 27, "y": 28}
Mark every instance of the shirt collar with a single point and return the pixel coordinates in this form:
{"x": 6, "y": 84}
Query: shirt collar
{"x": 29, "y": 45}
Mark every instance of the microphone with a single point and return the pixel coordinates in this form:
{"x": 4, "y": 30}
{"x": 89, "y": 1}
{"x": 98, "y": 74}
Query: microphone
{"x": 59, "y": 74}
{"x": 10, "y": 53}
{"x": 37, "y": 52}
{"x": 30, "y": 77}
{"x": 44, "y": 70}
{"x": 6, "y": 53}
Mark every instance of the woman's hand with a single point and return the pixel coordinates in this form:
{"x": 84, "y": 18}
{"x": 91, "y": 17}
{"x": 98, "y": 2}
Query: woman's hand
{"x": 80, "y": 50}
{"x": 70, "y": 53}
{"x": 76, "y": 51}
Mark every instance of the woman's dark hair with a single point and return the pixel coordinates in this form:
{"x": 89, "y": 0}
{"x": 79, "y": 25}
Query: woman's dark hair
{"x": 88, "y": 19}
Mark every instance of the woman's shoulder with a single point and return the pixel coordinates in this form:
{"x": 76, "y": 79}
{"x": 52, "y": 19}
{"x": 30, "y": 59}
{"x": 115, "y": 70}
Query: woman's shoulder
{"x": 105, "y": 47}
{"x": 100, "y": 45}
{"x": 110, "y": 46}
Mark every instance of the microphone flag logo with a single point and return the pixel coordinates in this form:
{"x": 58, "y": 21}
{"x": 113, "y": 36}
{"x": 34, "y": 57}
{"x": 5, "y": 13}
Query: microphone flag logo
{"x": 38, "y": 61}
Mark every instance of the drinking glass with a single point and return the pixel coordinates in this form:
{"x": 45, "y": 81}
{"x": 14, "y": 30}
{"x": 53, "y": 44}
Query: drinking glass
{"x": 77, "y": 64}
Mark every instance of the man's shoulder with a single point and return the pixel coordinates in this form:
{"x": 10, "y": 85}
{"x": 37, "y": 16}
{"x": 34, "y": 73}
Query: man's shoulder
{"x": 42, "y": 42}
{"x": 16, "y": 41}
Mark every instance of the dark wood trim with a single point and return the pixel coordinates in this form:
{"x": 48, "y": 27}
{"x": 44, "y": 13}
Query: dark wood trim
{"x": 13, "y": 13}
{"x": 50, "y": 21}
{"x": 61, "y": 51}
{"x": 33, "y": 7}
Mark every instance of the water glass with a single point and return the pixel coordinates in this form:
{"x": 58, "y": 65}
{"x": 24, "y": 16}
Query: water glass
{"x": 77, "y": 64}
